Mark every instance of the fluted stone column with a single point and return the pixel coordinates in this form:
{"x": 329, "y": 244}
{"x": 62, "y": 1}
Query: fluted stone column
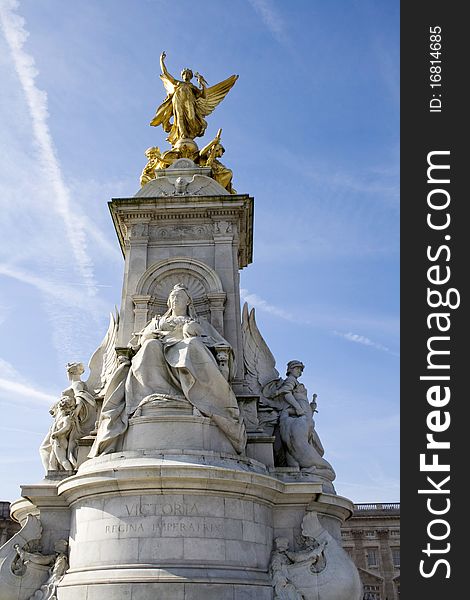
{"x": 224, "y": 264}
{"x": 135, "y": 249}
{"x": 359, "y": 556}
{"x": 387, "y": 561}
{"x": 216, "y": 307}
{"x": 141, "y": 310}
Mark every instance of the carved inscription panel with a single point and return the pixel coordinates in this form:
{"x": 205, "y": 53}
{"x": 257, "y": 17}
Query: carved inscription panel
{"x": 166, "y": 519}
{"x": 161, "y": 528}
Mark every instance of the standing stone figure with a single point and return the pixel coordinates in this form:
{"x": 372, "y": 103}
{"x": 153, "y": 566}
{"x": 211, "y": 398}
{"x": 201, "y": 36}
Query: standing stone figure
{"x": 301, "y": 443}
{"x": 62, "y": 436}
{"x": 74, "y": 416}
{"x": 288, "y": 413}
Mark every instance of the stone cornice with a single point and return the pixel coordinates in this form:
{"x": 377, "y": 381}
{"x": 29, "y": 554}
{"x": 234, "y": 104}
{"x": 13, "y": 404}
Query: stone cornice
{"x": 239, "y": 208}
{"x": 127, "y": 475}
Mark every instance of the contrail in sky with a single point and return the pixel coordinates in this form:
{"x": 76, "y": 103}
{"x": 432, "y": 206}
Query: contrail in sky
{"x": 20, "y": 389}
{"x": 16, "y": 36}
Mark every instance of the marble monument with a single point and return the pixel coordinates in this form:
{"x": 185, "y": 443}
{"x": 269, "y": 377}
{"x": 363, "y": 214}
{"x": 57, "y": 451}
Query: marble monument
{"x": 184, "y": 466}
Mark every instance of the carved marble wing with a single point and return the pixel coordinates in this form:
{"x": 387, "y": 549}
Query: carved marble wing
{"x": 215, "y": 94}
{"x": 194, "y": 188}
{"x": 163, "y": 186}
{"x": 30, "y": 531}
{"x": 104, "y": 361}
{"x": 260, "y": 365}
{"x": 21, "y": 586}
{"x": 334, "y": 571}
{"x": 166, "y": 186}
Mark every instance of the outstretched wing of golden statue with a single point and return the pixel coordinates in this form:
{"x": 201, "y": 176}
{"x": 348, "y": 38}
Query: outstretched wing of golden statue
{"x": 214, "y": 95}
{"x": 169, "y": 84}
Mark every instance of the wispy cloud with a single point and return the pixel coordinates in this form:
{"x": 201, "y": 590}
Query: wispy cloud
{"x": 257, "y": 302}
{"x": 375, "y": 183}
{"x": 25, "y": 391}
{"x": 361, "y": 339}
{"x": 6, "y": 369}
{"x": 66, "y": 294}
{"x": 20, "y": 430}
{"x": 270, "y": 17}
{"x": 369, "y": 479}
{"x": 69, "y": 310}
{"x": 14, "y": 460}
{"x": 381, "y": 183}
{"x": 387, "y": 490}
{"x": 109, "y": 248}
{"x": 17, "y": 388}
{"x": 348, "y": 214}
{"x": 16, "y": 35}
{"x": 384, "y": 47}
{"x": 4, "y": 310}
{"x": 358, "y": 426}
{"x": 373, "y": 481}
{"x": 327, "y": 321}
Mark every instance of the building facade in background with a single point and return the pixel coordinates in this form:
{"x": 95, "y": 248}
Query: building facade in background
{"x": 372, "y": 539}
{"x": 8, "y": 527}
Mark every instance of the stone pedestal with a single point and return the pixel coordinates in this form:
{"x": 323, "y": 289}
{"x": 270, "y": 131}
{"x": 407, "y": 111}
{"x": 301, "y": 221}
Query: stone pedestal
{"x": 182, "y": 524}
{"x": 45, "y": 502}
{"x": 175, "y": 432}
{"x": 177, "y": 514}
{"x": 260, "y": 447}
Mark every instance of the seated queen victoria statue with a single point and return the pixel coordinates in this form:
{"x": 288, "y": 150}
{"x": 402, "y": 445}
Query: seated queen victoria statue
{"x": 173, "y": 359}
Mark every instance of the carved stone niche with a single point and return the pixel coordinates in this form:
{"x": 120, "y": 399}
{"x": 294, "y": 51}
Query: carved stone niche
{"x": 156, "y": 283}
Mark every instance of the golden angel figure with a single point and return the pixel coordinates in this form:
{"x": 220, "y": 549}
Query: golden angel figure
{"x": 188, "y": 104}
{"x": 154, "y": 162}
{"x": 208, "y": 157}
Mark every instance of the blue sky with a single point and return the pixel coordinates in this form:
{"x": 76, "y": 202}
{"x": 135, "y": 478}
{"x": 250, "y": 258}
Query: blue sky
{"x": 311, "y": 130}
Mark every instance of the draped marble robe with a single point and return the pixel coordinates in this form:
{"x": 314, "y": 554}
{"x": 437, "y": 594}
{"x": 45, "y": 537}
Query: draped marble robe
{"x": 174, "y": 361}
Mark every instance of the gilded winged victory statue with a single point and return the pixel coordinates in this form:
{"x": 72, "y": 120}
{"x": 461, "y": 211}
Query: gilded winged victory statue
{"x": 188, "y": 104}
